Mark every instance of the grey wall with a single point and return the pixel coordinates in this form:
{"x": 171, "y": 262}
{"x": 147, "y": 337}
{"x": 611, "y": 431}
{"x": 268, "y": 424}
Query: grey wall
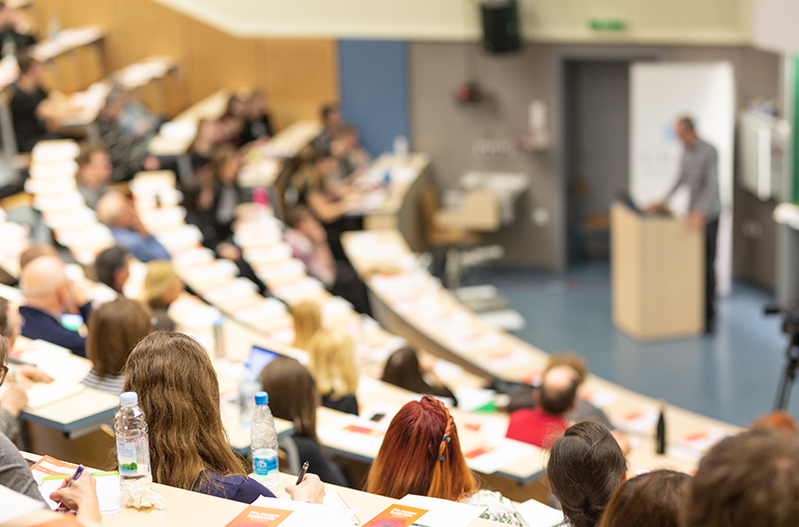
{"x": 448, "y": 131}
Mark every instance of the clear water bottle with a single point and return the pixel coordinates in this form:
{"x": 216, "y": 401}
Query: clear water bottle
{"x": 133, "y": 449}
{"x": 263, "y": 441}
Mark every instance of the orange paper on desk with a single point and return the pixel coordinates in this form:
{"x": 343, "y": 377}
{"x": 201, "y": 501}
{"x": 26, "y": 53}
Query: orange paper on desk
{"x": 260, "y": 516}
{"x": 396, "y": 516}
{"x": 66, "y": 520}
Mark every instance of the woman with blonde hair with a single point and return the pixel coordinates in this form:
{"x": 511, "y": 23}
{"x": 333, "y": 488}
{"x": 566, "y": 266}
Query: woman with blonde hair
{"x": 189, "y": 448}
{"x": 307, "y": 321}
{"x": 333, "y": 365}
{"x": 161, "y": 287}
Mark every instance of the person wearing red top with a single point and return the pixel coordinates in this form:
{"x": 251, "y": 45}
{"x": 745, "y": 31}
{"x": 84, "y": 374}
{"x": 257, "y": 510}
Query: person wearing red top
{"x": 540, "y": 426}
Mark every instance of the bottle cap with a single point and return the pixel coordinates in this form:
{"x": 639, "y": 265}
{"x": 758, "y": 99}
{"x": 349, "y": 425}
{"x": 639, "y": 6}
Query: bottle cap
{"x": 129, "y": 399}
{"x": 261, "y": 398}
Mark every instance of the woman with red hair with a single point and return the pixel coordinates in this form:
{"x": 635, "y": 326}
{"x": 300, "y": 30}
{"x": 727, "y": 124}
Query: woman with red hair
{"x": 421, "y": 454}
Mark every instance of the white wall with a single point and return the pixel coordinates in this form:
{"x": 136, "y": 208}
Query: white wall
{"x": 774, "y": 25}
{"x": 648, "y": 21}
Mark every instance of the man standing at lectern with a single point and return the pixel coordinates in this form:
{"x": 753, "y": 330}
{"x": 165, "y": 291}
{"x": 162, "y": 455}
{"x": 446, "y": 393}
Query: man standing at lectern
{"x": 699, "y": 172}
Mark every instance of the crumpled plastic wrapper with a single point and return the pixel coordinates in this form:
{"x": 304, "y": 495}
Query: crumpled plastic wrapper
{"x": 141, "y": 497}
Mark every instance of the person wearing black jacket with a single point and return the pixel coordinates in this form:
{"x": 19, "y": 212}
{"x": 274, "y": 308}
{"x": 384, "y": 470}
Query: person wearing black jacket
{"x": 293, "y": 397}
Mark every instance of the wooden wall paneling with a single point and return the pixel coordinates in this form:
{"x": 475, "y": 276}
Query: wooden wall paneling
{"x": 220, "y": 61}
{"x": 147, "y": 28}
{"x": 299, "y": 75}
{"x": 91, "y": 63}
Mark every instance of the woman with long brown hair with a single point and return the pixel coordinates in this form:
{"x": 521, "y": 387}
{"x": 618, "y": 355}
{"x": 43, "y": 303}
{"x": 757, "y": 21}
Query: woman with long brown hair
{"x": 114, "y": 329}
{"x": 307, "y": 321}
{"x": 586, "y": 466}
{"x": 421, "y": 454}
{"x": 293, "y": 397}
{"x": 189, "y": 447}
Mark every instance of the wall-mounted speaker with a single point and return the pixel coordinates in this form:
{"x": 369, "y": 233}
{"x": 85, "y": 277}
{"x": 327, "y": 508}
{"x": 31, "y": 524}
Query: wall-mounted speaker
{"x": 500, "y": 26}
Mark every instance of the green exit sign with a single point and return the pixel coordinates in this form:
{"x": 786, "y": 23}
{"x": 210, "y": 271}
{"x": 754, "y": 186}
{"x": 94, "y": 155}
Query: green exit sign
{"x": 606, "y": 24}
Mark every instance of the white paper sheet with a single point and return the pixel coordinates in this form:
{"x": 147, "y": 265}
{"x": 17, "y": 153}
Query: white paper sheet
{"x": 536, "y": 514}
{"x": 443, "y": 513}
{"x": 107, "y": 491}
{"x": 307, "y": 513}
{"x": 495, "y": 454}
{"x": 16, "y": 505}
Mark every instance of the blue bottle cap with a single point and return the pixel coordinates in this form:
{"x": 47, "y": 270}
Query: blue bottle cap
{"x": 129, "y": 399}
{"x": 261, "y": 398}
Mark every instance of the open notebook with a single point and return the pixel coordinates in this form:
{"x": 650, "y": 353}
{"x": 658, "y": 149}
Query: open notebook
{"x": 334, "y": 499}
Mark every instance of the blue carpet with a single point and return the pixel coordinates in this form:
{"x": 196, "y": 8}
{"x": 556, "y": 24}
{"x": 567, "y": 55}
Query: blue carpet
{"x": 731, "y": 376}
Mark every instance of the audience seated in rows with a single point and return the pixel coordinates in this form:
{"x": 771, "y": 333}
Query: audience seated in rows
{"x": 655, "y": 499}
{"x": 128, "y": 150}
{"x": 16, "y": 475}
{"x": 332, "y": 119}
{"x": 16, "y": 27}
{"x": 307, "y": 319}
{"x": 116, "y": 211}
{"x": 405, "y": 369}
{"x": 524, "y": 397}
{"x": 30, "y": 104}
{"x": 333, "y": 366}
{"x": 219, "y": 196}
{"x": 232, "y": 122}
{"x": 111, "y": 267}
{"x": 257, "y": 122}
{"x": 15, "y": 396}
{"x": 114, "y": 329}
{"x": 585, "y": 467}
{"x": 206, "y": 141}
{"x": 189, "y": 447}
{"x": 94, "y": 172}
{"x": 555, "y": 398}
{"x": 161, "y": 287}
{"x": 346, "y": 147}
{"x": 309, "y": 244}
{"x": 748, "y": 480}
{"x": 421, "y": 454}
{"x": 48, "y": 296}
{"x": 293, "y": 396}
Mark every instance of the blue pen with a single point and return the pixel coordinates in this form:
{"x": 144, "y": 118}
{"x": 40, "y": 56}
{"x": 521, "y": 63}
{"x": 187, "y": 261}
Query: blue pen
{"x": 70, "y": 481}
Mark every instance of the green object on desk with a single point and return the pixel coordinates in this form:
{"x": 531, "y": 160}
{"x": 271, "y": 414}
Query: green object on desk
{"x": 606, "y": 24}
{"x": 490, "y": 408}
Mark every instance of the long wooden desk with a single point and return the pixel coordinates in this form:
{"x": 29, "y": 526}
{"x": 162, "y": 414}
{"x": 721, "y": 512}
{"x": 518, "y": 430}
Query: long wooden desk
{"x": 410, "y": 303}
{"x": 184, "y": 507}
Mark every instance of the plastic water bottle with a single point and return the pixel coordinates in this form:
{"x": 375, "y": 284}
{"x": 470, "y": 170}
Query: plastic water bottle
{"x": 264, "y": 443}
{"x": 133, "y": 449}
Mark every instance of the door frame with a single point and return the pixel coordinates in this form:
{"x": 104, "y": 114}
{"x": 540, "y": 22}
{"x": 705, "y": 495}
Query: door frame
{"x": 561, "y": 56}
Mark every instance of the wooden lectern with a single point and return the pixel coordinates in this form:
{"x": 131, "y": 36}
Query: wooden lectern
{"x": 658, "y": 275}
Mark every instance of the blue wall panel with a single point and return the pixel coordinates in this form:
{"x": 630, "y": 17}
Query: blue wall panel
{"x": 374, "y": 90}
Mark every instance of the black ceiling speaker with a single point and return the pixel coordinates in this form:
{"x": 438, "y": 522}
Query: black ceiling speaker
{"x": 500, "y": 26}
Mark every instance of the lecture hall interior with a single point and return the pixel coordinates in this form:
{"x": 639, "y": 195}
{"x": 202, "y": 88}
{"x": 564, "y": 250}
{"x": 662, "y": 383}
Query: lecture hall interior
{"x": 381, "y": 262}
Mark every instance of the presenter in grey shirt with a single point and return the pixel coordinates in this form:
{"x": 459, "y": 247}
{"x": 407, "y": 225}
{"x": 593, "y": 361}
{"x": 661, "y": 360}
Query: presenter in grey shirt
{"x": 699, "y": 172}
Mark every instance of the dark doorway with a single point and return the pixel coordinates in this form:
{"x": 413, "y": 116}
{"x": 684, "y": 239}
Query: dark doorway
{"x": 596, "y": 106}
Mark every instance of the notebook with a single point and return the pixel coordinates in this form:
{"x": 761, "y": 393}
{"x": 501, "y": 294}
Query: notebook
{"x": 334, "y": 499}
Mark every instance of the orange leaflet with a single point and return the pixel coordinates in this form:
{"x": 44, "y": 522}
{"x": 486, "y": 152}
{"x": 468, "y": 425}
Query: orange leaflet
{"x": 363, "y": 430}
{"x": 396, "y": 516}
{"x": 260, "y": 516}
{"x": 477, "y": 452}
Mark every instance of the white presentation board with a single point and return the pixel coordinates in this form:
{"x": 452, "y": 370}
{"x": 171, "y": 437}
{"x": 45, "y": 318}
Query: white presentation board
{"x": 660, "y": 93}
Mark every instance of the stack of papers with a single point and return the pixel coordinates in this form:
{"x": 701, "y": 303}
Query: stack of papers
{"x": 497, "y": 453}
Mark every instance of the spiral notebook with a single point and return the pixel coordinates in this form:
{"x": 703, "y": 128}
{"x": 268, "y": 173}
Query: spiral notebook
{"x": 334, "y": 499}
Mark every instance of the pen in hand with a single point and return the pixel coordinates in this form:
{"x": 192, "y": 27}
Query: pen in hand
{"x": 302, "y": 472}
{"x": 61, "y": 507}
